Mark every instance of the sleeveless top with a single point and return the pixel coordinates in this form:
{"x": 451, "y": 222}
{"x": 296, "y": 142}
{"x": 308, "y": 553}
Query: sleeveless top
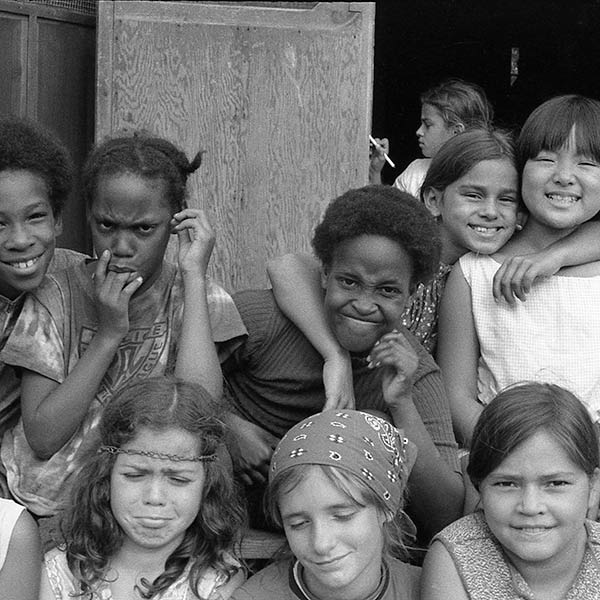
{"x": 65, "y": 586}
{"x": 484, "y": 570}
{"x": 554, "y": 336}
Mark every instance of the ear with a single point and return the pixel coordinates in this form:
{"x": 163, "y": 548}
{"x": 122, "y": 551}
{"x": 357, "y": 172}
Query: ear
{"x": 594, "y": 495}
{"x": 521, "y": 219}
{"x": 58, "y": 225}
{"x": 324, "y": 273}
{"x": 433, "y": 201}
{"x": 458, "y": 128}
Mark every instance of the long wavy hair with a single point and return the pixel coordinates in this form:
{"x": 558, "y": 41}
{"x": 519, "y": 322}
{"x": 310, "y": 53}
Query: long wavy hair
{"x": 91, "y": 532}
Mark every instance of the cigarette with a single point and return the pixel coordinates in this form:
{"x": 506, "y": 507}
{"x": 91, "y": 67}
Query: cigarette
{"x": 388, "y": 160}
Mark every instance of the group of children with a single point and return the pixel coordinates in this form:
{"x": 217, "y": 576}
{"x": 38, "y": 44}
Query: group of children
{"x": 148, "y": 408}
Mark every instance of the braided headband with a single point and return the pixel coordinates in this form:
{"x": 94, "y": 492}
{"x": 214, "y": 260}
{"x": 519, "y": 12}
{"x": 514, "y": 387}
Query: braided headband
{"x": 160, "y": 455}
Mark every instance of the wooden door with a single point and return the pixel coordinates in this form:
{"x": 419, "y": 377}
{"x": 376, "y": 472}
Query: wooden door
{"x": 277, "y": 93}
{"x": 47, "y": 74}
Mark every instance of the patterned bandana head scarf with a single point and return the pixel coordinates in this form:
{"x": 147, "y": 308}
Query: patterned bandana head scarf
{"x": 360, "y": 443}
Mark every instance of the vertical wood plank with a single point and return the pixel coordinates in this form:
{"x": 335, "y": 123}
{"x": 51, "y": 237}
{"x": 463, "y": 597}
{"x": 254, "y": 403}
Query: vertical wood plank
{"x": 279, "y": 98}
{"x": 13, "y": 66}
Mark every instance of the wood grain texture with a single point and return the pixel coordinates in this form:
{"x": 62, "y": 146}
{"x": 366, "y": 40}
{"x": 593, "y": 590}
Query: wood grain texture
{"x": 13, "y": 66}
{"x": 279, "y": 99}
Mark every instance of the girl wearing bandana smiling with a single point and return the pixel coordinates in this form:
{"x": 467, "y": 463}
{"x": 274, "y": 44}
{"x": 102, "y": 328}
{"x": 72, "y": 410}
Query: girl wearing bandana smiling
{"x": 336, "y": 482}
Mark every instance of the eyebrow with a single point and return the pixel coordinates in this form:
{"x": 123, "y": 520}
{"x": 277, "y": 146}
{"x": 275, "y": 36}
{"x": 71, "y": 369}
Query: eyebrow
{"x": 509, "y": 475}
{"x": 333, "y": 507}
{"x": 148, "y": 469}
{"x": 479, "y": 187}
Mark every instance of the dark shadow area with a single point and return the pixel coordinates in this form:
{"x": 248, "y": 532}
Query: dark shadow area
{"x": 421, "y": 42}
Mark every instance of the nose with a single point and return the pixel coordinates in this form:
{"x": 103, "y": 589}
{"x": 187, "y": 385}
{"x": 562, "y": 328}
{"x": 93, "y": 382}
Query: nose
{"x": 489, "y": 208}
{"x": 19, "y": 237}
{"x": 563, "y": 172}
{"x": 122, "y": 244}
{"x": 154, "y": 492}
{"x": 531, "y": 501}
{"x": 420, "y": 131}
{"x": 323, "y": 538}
{"x": 364, "y": 302}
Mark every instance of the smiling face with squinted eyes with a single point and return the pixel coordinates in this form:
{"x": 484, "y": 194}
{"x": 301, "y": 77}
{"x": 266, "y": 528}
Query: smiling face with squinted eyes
{"x": 561, "y": 188}
{"x": 479, "y": 211}
{"x": 28, "y": 230}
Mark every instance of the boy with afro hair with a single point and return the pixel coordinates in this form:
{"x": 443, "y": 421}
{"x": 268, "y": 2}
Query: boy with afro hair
{"x": 374, "y": 245}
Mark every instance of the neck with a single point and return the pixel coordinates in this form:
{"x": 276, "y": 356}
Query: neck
{"x": 536, "y": 236}
{"x": 450, "y": 252}
{"x": 147, "y": 562}
{"x": 362, "y": 588}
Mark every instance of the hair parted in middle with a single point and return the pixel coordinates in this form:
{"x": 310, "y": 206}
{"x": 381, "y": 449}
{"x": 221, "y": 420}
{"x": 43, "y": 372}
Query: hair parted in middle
{"x": 384, "y": 211}
{"x": 141, "y": 154}
{"x": 522, "y": 410}
{"x": 462, "y": 152}
{"x": 91, "y": 532}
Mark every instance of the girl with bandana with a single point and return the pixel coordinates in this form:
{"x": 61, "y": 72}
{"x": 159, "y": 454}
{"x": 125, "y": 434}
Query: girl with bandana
{"x": 153, "y": 511}
{"x": 336, "y": 484}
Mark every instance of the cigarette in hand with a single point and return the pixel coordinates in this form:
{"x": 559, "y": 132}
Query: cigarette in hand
{"x": 380, "y": 147}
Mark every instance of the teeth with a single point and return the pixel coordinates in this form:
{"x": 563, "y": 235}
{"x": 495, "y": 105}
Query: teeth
{"x": 24, "y": 265}
{"x": 480, "y": 229}
{"x": 562, "y": 198}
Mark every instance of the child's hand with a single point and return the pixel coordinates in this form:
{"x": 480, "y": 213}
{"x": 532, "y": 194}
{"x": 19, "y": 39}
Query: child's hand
{"x": 377, "y": 161}
{"x": 255, "y": 448}
{"x": 337, "y": 379}
{"x": 398, "y": 361}
{"x": 517, "y": 274}
{"x": 196, "y": 240}
{"x": 113, "y": 291}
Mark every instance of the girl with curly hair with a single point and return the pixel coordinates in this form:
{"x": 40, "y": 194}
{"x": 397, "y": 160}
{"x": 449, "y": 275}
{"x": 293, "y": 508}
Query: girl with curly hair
{"x": 153, "y": 510}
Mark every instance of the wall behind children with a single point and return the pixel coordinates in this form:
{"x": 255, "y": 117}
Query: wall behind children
{"x": 278, "y": 94}
{"x": 47, "y": 59}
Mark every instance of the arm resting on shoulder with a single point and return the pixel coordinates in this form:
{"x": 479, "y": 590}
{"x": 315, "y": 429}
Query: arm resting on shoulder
{"x": 458, "y": 355}
{"x": 517, "y": 274}
{"x": 296, "y": 281}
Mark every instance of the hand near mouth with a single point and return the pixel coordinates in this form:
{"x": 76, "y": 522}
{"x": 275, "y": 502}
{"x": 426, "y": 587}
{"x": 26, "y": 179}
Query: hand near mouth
{"x": 113, "y": 290}
{"x": 398, "y": 361}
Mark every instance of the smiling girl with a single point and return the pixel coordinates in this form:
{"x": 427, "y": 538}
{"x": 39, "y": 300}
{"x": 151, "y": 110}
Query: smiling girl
{"x": 534, "y": 460}
{"x": 336, "y": 484}
{"x": 153, "y": 512}
{"x": 553, "y": 336}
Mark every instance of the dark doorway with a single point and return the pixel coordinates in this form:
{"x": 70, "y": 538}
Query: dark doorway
{"x": 421, "y": 42}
